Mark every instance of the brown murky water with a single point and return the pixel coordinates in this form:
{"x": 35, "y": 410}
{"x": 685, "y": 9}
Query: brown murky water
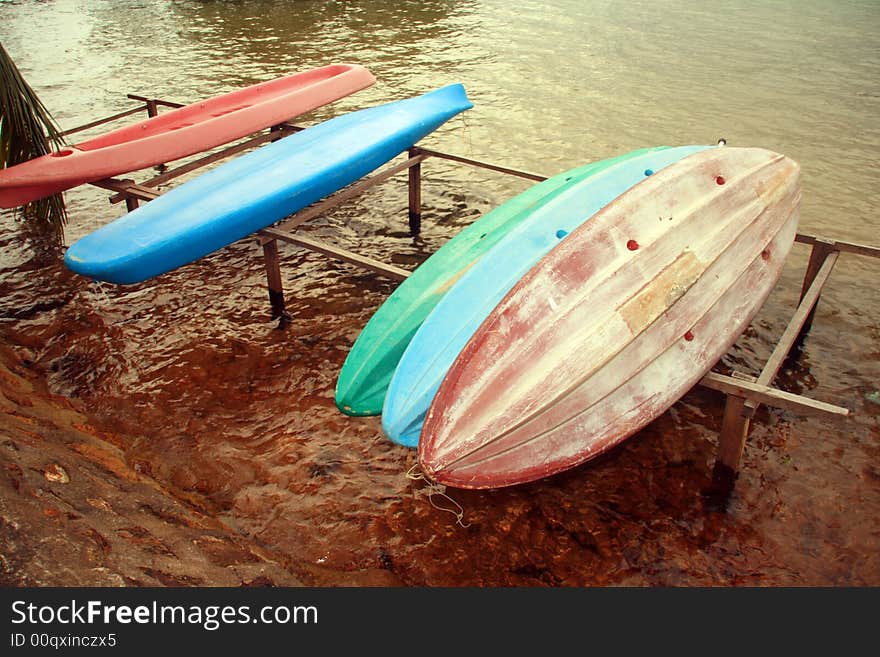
{"x": 237, "y": 418}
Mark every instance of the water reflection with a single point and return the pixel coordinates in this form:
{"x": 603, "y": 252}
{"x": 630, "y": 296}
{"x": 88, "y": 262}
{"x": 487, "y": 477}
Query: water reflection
{"x": 377, "y": 34}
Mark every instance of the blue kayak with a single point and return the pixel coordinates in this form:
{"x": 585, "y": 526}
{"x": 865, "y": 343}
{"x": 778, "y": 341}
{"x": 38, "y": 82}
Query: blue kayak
{"x": 257, "y": 189}
{"x": 469, "y": 301}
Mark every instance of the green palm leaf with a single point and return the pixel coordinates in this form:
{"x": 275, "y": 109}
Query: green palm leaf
{"x": 27, "y": 130}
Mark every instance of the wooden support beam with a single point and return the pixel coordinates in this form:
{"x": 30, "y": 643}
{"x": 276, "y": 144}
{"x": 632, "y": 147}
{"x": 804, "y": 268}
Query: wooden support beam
{"x": 752, "y": 391}
{"x": 818, "y": 255}
{"x": 107, "y": 119}
{"x": 336, "y": 253}
{"x": 273, "y": 278}
{"x": 805, "y": 307}
{"x": 734, "y": 429}
{"x": 128, "y": 188}
{"x": 738, "y": 410}
{"x": 253, "y": 142}
{"x": 480, "y": 164}
{"x": 844, "y": 247}
{"x": 349, "y": 192}
{"x": 157, "y": 101}
{"x": 276, "y": 132}
{"x": 415, "y": 195}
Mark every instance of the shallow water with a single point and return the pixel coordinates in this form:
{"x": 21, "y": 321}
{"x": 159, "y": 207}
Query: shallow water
{"x": 237, "y": 417}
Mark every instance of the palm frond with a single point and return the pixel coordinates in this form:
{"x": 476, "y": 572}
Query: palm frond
{"x": 27, "y": 130}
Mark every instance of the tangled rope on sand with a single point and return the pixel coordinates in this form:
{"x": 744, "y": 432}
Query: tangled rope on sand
{"x": 431, "y": 489}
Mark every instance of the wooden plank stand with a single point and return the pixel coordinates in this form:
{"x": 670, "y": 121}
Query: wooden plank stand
{"x": 744, "y": 393}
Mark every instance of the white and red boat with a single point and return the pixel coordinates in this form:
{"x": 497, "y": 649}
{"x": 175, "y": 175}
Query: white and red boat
{"x": 617, "y": 322}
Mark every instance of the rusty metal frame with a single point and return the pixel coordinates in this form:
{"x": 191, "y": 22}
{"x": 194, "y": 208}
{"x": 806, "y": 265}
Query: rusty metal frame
{"x": 744, "y": 393}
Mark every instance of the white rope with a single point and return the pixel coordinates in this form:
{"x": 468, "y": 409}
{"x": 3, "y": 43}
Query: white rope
{"x": 432, "y": 489}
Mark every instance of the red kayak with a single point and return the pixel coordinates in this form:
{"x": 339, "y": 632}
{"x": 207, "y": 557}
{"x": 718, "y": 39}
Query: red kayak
{"x": 180, "y": 132}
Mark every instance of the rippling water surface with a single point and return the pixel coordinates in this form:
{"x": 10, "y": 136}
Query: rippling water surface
{"x": 237, "y": 417}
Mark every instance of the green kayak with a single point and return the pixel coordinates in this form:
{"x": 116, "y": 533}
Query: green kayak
{"x": 366, "y": 373}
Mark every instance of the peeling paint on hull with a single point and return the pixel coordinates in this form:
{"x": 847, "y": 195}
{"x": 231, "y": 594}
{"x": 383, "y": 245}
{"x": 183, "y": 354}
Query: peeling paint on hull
{"x": 458, "y": 315}
{"x": 616, "y": 324}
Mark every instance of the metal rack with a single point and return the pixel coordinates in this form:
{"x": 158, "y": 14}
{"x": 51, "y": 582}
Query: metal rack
{"x": 744, "y": 393}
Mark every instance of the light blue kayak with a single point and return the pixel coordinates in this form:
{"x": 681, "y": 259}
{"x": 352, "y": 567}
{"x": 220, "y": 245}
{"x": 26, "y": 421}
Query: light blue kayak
{"x": 469, "y": 301}
{"x": 257, "y": 189}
